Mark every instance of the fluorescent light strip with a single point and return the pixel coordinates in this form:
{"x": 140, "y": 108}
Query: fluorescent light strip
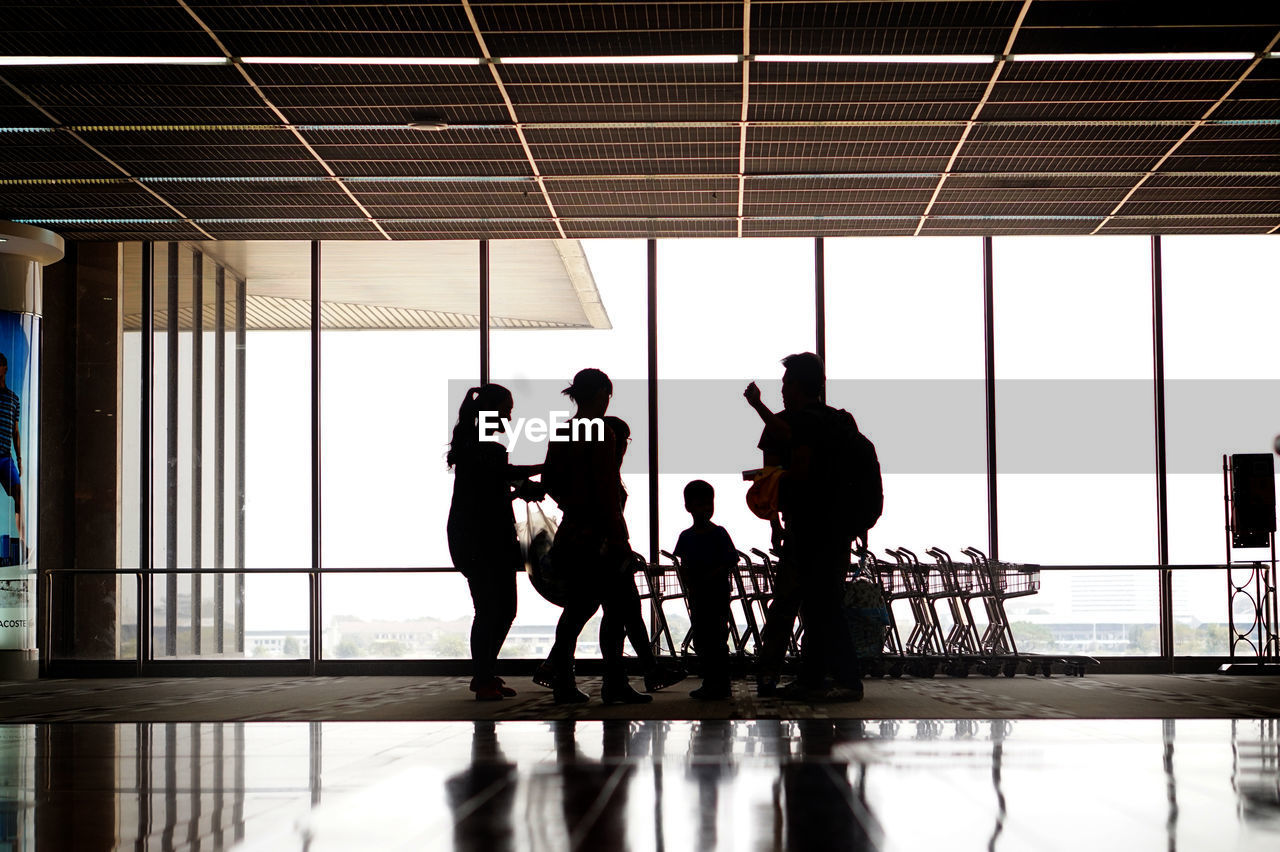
{"x": 1131, "y": 57}
{"x": 893, "y": 59}
{"x": 240, "y": 179}
{"x": 100, "y": 221}
{"x": 361, "y": 60}
{"x": 443, "y": 179}
{"x": 716, "y": 59}
{"x": 114, "y": 60}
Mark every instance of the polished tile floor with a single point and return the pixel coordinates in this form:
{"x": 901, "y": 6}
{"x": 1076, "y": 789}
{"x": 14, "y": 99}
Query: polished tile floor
{"x": 1187, "y": 784}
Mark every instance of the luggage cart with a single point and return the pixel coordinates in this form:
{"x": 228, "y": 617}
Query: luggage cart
{"x": 1009, "y": 580}
{"x": 893, "y": 586}
{"x": 736, "y": 635}
{"x": 871, "y": 620}
{"x": 959, "y": 643}
{"x": 922, "y": 651}
{"x": 661, "y": 585}
{"x": 797, "y": 630}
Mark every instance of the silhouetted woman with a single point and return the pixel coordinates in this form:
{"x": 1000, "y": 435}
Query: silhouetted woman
{"x": 591, "y": 544}
{"x": 482, "y": 530}
{"x": 623, "y": 617}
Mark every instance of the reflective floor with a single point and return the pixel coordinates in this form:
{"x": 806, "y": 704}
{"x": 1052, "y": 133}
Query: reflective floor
{"x": 616, "y": 785}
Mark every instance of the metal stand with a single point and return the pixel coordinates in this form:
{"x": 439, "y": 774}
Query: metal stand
{"x": 1252, "y": 586}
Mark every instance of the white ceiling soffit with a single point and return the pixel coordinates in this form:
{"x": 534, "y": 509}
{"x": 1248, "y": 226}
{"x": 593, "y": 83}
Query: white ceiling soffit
{"x": 385, "y": 285}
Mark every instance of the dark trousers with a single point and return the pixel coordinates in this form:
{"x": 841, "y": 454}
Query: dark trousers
{"x": 493, "y": 593}
{"x": 708, "y": 599}
{"x": 820, "y": 562}
{"x": 624, "y": 619}
{"x": 779, "y": 621}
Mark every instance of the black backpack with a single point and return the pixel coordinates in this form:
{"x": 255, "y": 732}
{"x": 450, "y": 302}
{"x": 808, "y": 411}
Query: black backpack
{"x": 856, "y": 470}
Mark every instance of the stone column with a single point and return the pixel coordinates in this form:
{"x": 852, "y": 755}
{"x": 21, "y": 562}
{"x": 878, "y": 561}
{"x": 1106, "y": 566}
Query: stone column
{"x": 24, "y": 252}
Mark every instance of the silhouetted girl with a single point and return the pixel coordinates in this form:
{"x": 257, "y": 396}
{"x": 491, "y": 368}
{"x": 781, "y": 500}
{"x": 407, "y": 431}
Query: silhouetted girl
{"x": 482, "y": 530}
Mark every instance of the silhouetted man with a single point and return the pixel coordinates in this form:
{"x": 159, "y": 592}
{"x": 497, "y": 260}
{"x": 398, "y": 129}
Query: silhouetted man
{"x": 804, "y": 438}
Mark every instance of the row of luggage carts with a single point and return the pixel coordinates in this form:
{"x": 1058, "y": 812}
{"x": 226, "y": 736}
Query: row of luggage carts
{"x": 957, "y": 611}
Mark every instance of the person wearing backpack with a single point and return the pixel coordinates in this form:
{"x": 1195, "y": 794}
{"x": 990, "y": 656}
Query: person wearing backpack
{"x": 829, "y": 493}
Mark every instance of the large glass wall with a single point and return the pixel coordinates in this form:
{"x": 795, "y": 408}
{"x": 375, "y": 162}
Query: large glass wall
{"x": 728, "y": 312}
{"x": 230, "y": 425}
{"x": 537, "y": 343}
{"x": 905, "y": 356}
{"x": 398, "y": 349}
{"x": 1222, "y": 366}
{"x": 1075, "y": 438}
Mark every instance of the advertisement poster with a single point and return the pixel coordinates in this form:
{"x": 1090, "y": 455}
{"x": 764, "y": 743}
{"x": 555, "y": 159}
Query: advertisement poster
{"x": 19, "y": 392}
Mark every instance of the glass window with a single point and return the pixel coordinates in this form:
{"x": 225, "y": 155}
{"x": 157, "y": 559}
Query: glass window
{"x": 1222, "y": 363}
{"x": 1075, "y": 438}
{"x": 728, "y": 312}
{"x": 399, "y": 348}
{"x": 905, "y": 356}
{"x": 558, "y": 306}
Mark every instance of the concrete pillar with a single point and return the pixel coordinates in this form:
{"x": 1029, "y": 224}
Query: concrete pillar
{"x": 24, "y": 252}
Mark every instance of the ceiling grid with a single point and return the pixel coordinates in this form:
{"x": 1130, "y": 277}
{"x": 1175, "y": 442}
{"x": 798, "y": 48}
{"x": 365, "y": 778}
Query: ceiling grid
{"x": 977, "y": 110}
{"x": 284, "y": 121}
{"x": 515, "y": 119}
{"x": 80, "y": 139}
{"x": 1271, "y": 45}
{"x": 638, "y": 118}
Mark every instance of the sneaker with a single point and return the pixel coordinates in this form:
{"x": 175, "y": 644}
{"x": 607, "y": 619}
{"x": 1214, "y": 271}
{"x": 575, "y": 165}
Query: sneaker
{"x": 489, "y": 692}
{"x": 663, "y": 675}
{"x": 622, "y": 693}
{"x": 569, "y": 695}
{"x": 545, "y": 675}
{"x": 712, "y": 692}
{"x": 478, "y": 684}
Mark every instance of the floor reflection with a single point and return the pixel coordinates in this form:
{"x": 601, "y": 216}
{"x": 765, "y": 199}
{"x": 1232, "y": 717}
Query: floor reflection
{"x": 763, "y": 784}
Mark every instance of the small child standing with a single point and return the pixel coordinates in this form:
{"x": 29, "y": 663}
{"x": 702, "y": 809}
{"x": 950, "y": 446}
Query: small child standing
{"x": 707, "y": 555}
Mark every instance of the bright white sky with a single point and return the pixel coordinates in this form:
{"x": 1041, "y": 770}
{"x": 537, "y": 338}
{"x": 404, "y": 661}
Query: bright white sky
{"x": 902, "y": 309}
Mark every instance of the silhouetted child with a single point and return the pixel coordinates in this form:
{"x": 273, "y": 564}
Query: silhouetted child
{"x": 707, "y": 555}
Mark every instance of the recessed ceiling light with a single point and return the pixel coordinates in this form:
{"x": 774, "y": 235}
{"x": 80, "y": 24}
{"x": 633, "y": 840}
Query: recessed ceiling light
{"x": 113, "y": 60}
{"x": 900, "y": 59}
{"x": 1129, "y": 57}
{"x": 361, "y": 60}
{"x": 717, "y": 59}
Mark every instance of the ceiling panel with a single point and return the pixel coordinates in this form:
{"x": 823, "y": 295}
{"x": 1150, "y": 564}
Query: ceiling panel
{"x": 382, "y": 94}
{"x": 115, "y": 200}
{"x": 641, "y": 149}
{"x": 783, "y": 150}
{"x": 659, "y": 92}
{"x": 609, "y": 29}
{"x": 1075, "y": 26}
{"x": 635, "y": 151}
{"x": 827, "y": 91}
{"x": 306, "y": 28}
{"x": 828, "y": 228}
{"x": 602, "y": 228}
{"x": 681, "y": 197}
{"x": 141, "y": 94}
{"x": 102, "y": 29}
{"x": 472, "y": 230}
{"x": 879, "y": 28}
{"x": 223, "y": 153}
{"x": 49, "y": 155}
{"x": 964, "y": 226}
{"x": 1189, "y": 225}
